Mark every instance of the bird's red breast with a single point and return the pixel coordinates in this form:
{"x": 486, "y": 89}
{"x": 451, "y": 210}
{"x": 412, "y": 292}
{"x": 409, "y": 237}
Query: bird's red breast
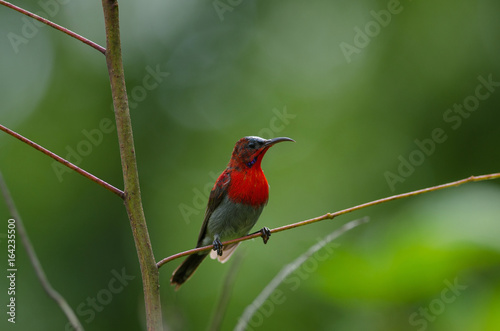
{"x": 249, "y": 186}
{"x": 234, "y": 204}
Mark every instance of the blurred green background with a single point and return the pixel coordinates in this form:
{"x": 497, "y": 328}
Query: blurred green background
{"x": 363, "y": 87}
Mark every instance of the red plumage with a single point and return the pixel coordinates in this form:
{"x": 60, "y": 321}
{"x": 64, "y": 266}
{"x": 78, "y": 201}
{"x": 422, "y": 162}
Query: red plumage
{"x": 249, "y": 187}
{"x": 234, "y": 205}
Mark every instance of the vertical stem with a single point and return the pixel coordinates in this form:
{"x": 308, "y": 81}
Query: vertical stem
{"x": 133, "y": 203}
{"x": 225, "y": 295}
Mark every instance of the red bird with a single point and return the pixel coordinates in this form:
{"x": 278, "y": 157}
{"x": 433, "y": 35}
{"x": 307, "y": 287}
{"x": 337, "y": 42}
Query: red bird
{"x": 234, "y": 206}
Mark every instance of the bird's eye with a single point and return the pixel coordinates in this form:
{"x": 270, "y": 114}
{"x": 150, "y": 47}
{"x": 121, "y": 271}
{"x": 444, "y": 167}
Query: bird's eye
{"x": 251, "y": 144}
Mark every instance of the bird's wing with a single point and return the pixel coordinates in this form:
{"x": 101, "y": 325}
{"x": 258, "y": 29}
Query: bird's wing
{"x": 217, "y": 194}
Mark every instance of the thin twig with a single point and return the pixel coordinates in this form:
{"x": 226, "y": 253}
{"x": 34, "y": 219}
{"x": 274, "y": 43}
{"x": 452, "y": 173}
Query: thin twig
{"x": 220, "y": 310}
{"x": 333, "y": 215}
{"x": 55, "y": 26}
{"x": 288, "y": 269}
{"x": 65, "y": 307}
{"x": 63, "y": 161}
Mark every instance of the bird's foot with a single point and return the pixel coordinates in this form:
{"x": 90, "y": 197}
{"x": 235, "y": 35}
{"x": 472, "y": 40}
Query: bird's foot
{"x": 218, "y": 246}
{"x": 265, "y": 234}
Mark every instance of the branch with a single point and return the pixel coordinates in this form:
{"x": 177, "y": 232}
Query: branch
{"x": 55, "y": 26}
{"x": 133, "y": 202}
{"x": 288, "y": 269}
{"x": 63, "y": 161}
{"x": 225, "y": 295}
{"x": 70, "y": 314}
{"x": 333, "y": 215}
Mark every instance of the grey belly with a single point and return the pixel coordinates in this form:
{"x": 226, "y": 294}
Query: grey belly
{"x": 231, "y": 221}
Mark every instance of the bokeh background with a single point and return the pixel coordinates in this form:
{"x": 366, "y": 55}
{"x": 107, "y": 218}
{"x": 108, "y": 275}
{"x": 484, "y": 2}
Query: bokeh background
{"x": 359, "y": 85}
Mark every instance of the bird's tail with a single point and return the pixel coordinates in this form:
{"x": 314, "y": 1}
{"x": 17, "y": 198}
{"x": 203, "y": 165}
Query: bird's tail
{"x": 186, "y": 269}
{"x": 227, "y": 251}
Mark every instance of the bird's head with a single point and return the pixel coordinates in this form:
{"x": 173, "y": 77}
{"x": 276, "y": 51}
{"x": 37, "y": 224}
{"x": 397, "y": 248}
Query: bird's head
{"x": 248, "y": 151}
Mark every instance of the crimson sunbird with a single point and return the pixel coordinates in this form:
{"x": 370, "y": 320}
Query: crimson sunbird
{"x": 234, "y": 205}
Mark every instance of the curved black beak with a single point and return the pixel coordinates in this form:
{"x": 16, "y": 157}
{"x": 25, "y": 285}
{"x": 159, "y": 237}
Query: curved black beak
{"x": 273, "y": 141}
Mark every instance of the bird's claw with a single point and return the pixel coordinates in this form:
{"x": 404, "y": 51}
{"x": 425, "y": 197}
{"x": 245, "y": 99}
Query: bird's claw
{"x": 218, "y": 246}
{"x": 265, "y": 234}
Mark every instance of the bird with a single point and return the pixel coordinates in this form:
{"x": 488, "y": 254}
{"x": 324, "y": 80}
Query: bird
{"x": 234, "y": 205}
